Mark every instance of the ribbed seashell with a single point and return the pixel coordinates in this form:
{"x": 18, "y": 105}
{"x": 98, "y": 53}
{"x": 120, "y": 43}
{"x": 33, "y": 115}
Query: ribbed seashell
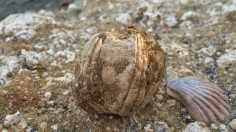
{"x": 204, "y": 100}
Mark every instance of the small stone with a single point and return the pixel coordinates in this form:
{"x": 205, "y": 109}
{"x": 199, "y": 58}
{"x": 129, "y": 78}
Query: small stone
{"x": 62, "y": 41}
{"x": 185, "y": 70}
{"x": 11, "y": 66}
{"x": 214, "y": 127}
{"x": 22, "y": 125}
{"x": 148, "y": 128}
{"x": 59, "y": 110}
{"x": 171, "y": 102}
{"x": 195, "y": 127}
{"x": 183, "y": 110}
{"x": 54, "y": 127}
{"x": 232, "y": 124}
{"x": 43, "y": 126}
{"x": 159, "y": 105}
{"x": 12, "y": 119}
{"x": 66, "y": 92}
{"x": 229, "y": 57}
{"x": 48, "y": 95}
{"x": 159, "y": 97}
{"x": 208, "y": 60}
{"x": 222, "y": 128}
{"x": 45, "y": 74}
{"x": 184, "y": 2}
{"x": 24, "y": 26}
{"x": 162, "y": 127}
{"x": 124, "y": 18}
{"x": 170, "y": 21}
{"x": 72, "y": 7}
{"x": 108, "y": 128}
{"x": 51, "y": 103}
{"x": 188, "y": 15}
{"x": 218, "y": 53}
{"x": 208, "y": 50}
{"x": 111, "y": 117}
{"x": 91, "y": 30}
{"x": 33, "y": 60}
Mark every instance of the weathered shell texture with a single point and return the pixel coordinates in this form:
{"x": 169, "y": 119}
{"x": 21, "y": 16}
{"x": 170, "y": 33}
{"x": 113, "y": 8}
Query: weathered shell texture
{"x": 119, "y": 72}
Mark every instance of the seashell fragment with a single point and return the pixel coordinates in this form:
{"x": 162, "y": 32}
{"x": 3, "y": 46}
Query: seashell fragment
{"x": 119, "y": 72}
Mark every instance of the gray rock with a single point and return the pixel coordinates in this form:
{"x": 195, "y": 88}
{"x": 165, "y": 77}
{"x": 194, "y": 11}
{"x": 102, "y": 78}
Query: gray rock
{"x": 23, "y": 26}
{"x": 227, "y": 58}
{"x": 162, "y": 127}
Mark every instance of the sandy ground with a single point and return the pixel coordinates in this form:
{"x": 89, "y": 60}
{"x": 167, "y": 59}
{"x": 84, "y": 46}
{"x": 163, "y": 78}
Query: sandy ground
{"x": 38, "y": 52}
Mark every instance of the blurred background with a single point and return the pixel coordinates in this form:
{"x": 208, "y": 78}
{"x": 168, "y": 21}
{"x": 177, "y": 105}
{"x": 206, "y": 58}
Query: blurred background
{"x": 8, "y": 7}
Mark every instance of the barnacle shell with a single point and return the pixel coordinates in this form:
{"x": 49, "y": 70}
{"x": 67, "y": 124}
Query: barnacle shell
{"x": 119, "y": 72}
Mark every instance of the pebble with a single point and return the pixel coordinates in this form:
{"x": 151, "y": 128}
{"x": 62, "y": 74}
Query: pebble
{"x": 148, "y": 128}
{"x": 12, "y": 119}
{"x": 15, "y": 120}
{"x": 51, "y": 103}
{"x": 232, "y": 124}
{"x": 181, "y": 49}
{"x": 73, "y": 8}
{"x": 229, "y": 57}
{"x": 108, "y": 129}
{"x": 45, "y": 74}
{"x": 33, "y": 59}
{"x": 183, "y": 110}
{"x": 70, "y": 56}
{"x": 66, "y": 92}
{"x": 214, "y": 127}
{"x": 185, "y": 70}
{"x": 162, "y": 127}
{"x": 24, "y": 26}
{"x": 222, "y": 128}
{"x": 159, "y": 97}
{"x": 63, "y": 42}
{"x": 210, "y": 50}
{"x": 171, "y": 102}
{"x": 124, "y": 18}
{"x": 188, "y": 15}
{"x": 54, "y": 127}
{"x": 48, "y": 95}
{"x": 195, "y": 127}
{"x": 208, "y": 60}
{"x": 11, "y": 65}
{"x": 170, "y": 21}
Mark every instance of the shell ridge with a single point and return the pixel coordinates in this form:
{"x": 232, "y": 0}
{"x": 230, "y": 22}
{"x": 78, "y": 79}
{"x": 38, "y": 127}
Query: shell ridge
{"x": 132, "y": 77}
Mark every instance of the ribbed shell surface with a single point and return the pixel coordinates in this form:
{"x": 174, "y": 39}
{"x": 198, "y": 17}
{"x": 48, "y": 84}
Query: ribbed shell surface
{"x": 118, "y": 72}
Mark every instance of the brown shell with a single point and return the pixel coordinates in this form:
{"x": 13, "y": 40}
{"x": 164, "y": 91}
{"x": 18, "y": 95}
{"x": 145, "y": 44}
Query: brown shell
{"x": 119, "y": 72}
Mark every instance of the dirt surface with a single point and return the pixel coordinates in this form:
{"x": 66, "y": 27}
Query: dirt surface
{"x": 37, "y": 62}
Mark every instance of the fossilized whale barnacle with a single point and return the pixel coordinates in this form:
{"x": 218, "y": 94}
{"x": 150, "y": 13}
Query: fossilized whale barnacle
{"x": 119, "y": 72}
